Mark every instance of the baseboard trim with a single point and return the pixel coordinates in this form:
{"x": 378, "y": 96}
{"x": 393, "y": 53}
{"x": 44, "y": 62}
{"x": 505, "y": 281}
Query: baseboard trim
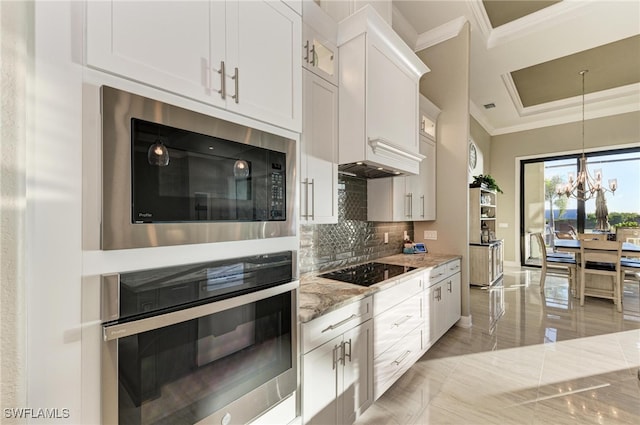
{"x": 464, "y": 322}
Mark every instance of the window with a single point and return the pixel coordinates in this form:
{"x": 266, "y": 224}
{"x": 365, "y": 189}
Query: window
{"x": 542, "y": 210}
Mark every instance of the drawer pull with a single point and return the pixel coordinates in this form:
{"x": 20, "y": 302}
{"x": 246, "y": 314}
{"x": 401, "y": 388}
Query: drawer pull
{"x": 401, "y": 358}
{"x": 401, "y": 321}
{"x": 340, "y": 323}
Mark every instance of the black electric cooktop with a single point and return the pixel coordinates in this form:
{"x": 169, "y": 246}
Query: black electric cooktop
{"x": 367, "y": 274}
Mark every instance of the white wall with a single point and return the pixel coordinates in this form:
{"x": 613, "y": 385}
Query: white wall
{"x": 447, "y": 85}
{"x": 16, "y": 68}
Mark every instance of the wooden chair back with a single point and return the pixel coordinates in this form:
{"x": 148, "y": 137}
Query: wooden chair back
{"x": 600, "y": 251}
{"x": 592, "y": 236}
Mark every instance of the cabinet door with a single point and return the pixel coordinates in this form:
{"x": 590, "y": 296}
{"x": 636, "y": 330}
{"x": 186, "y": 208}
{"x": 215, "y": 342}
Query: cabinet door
{"x": 319, "y": 151}
{"x": 322, "y": 371}
{"x": 387, "y": 200}
{"x": 175, "y": 46}
{"x": 358, "y": 372}
{"x": 436, "y": 311}
{"x": 451, "y": 292}
{"x": 264, "y": 64}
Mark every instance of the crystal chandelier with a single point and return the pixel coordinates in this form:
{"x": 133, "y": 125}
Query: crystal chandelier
{"x": 584, "y": 186}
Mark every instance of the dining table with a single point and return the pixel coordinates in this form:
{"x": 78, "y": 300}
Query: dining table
{"x": 594, "y": 281}
{"x": 573, "y": 245}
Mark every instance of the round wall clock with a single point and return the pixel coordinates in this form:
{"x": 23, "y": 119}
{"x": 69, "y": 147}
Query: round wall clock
{"x": 473, "y": 156}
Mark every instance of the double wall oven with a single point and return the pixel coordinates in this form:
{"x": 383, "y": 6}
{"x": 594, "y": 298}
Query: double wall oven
{"x": 210, "y": 342}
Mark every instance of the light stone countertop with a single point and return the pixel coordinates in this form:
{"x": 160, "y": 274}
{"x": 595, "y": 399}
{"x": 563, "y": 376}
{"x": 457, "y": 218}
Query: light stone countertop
{"x": 319, "y": 295}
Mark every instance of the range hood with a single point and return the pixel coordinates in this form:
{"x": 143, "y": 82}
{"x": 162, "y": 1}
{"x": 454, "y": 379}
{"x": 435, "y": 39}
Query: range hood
{"x": 386, "y": 160}
{"x": 379, "y": 99}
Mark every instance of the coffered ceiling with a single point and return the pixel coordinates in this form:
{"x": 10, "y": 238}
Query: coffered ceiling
{"x": 526, "y": 56}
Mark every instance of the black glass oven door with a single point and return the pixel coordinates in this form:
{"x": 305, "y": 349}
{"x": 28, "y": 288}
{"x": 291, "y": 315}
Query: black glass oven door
{"x": 187, "y": 371}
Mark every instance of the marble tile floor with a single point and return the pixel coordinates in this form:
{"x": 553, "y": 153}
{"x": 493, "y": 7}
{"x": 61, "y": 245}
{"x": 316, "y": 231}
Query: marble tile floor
{"x": 544, "y": 360}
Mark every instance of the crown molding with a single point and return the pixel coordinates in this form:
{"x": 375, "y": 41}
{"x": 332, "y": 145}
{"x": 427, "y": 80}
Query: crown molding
{"x": 404, "y": 29}
{"x": 440, "y": 34}
{"x": 477, "y": 113}
{"x": 536, "y": 22}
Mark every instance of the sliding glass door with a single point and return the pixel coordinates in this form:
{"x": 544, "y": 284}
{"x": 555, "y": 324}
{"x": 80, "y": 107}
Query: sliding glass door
{"x": 542, "y": 210}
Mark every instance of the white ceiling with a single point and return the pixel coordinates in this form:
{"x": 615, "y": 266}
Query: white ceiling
{"x": 551, "y": 33}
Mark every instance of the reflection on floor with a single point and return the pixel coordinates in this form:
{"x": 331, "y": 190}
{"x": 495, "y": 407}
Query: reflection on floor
{"x": 545, "y": 360}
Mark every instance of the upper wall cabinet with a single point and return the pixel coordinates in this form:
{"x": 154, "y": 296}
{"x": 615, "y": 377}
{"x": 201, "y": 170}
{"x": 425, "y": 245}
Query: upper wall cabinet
{"x": 428, "y": 118}
{"x": 238, "y": 55}
{"x": 379, "y": 78}
{"x": 319, "y": 49}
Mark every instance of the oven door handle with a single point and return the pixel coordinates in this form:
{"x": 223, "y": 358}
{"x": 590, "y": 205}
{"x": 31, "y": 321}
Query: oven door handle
{"x": 121, "y": 330}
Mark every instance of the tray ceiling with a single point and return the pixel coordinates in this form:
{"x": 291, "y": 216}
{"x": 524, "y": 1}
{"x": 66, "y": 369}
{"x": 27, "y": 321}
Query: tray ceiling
{"x": 526, "y": 56}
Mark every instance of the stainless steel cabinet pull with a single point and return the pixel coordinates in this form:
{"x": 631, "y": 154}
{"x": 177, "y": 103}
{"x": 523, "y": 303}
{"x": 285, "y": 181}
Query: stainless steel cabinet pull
{"x": 313, "y": 55}
{"x": 306, "y": 199}
{"x": 409, "y": 207}
{"x": 223, "y": 79}
{"x": 340, "y": 323}
{"x": 313, "y": 198}
{"x": 401, "y": 321}
{"x": 422, "y": 197}
{"x": 236, "y": 78}
{"x": 401, "y": 358}
{"x": 306, "y": 51}
{"x": 345, "y": 355}
{"x": 335, "y": 359}
{"x": 449, "y": 287}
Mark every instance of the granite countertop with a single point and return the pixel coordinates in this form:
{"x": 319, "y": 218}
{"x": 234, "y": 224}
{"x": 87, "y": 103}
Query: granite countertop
{"x": 319, "y": 295}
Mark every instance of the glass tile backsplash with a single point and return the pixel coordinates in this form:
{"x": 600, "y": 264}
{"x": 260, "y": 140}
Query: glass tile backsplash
{"x": 353, "y": 239}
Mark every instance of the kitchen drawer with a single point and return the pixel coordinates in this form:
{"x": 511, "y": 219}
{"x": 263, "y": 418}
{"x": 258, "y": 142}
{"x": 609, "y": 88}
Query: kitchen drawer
{"x": 391, "y": 364}
{"x": 387, "y": 298}
{"x": 436, "y": 274}
{"x": 391, "y": 325}
{"x": 326, "y": 327}
{"x": 453, "y": 267}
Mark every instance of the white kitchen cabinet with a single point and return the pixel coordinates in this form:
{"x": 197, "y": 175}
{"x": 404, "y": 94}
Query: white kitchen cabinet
{"x": 319, "y": 151}
{"x": 241, "y": 56}
{"x": 337, "y": 373}
{"x": 429, "y": 113}
{"x": 442, "y": 300}
{"x": 406, "y": 198}
{"x": 379, "y": 82}
{"x": 319, "y": 49}
{"x": 398, "y": 323}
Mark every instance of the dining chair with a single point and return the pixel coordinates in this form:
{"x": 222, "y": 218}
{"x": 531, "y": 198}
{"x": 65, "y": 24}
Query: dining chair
{"x": 601, "y": 257}
{"x": 563, "y": 261}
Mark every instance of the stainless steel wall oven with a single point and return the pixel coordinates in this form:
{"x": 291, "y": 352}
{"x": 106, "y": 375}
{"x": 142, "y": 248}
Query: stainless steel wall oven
{"x": 172, "y": 176}
{"x": 214, "y": 342}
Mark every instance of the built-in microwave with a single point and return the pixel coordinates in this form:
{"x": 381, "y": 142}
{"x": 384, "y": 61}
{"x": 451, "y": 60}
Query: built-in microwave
{"x": 173, "y": 176}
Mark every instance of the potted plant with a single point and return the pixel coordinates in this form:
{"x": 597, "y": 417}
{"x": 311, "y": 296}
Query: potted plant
{"x": 486, "y": 181}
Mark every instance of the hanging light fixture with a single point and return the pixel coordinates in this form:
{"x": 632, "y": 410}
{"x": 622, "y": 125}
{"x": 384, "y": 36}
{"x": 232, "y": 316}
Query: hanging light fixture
{"x": 584, "y": 186}
{"x": 158, "y": 154}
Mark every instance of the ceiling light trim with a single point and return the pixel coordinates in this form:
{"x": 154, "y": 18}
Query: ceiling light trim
{"x": 440, "y": 34}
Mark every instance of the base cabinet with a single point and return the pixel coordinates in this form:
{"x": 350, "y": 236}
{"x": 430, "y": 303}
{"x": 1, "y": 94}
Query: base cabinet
{"x": 398, "y": 323}
{"x": 337, "y": 375}
{"x": 442, "y": 301}
{"x": 486, "y": 263}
